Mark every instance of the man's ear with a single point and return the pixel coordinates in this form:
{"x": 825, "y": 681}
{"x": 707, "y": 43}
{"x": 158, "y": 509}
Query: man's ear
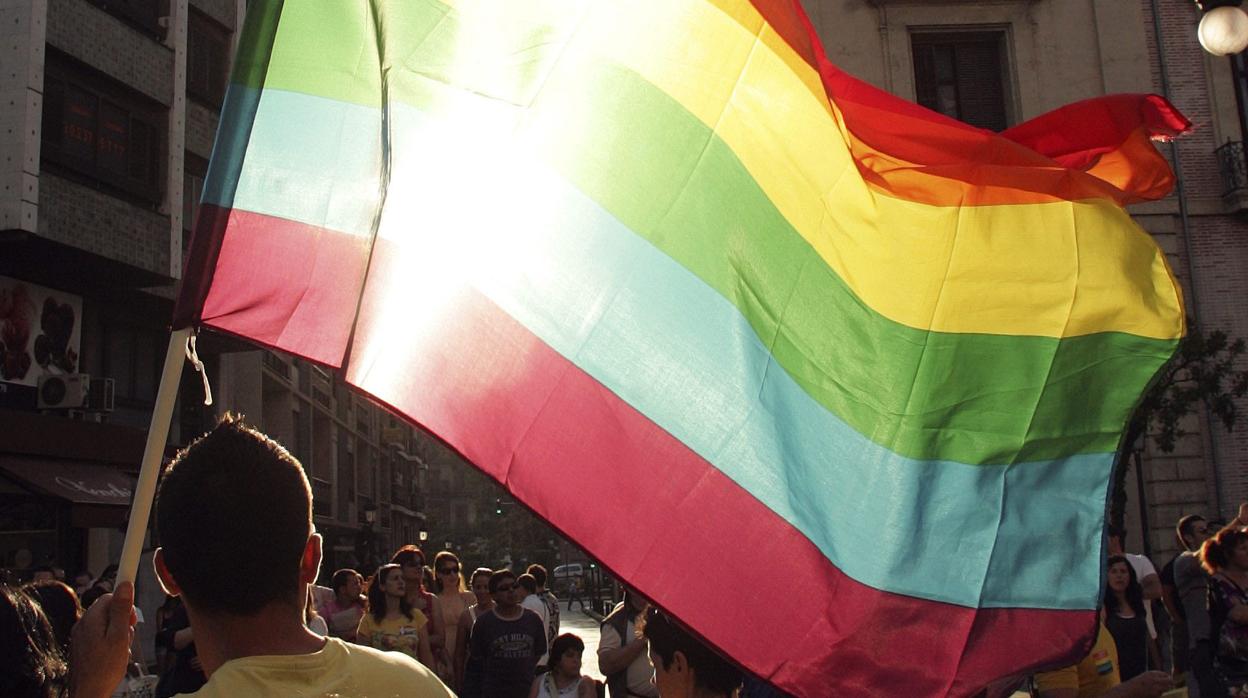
{"x": 310, "y": 563}
{"x": 167, "y": 582}
{"x": 679, "y": 665}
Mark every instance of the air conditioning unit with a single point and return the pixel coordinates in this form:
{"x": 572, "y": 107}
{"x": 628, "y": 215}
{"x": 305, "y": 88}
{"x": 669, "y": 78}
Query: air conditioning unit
{"x": 63, "y": 392}
{"x": 100, "y": 395}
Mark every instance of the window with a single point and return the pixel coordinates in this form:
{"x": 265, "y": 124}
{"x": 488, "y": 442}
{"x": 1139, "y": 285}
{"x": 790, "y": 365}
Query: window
{"x": 962, "y": 75}
{"x": 207, "y": 55}
{"x": 129, "y": 354}
{"x": 101, "y": 131}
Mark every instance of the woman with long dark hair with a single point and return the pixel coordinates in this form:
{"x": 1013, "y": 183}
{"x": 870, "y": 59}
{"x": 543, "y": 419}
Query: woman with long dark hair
{"x": 1125, "y": 619}
{"x": 391, "y": 624}
{"x": 1225, "y": 557}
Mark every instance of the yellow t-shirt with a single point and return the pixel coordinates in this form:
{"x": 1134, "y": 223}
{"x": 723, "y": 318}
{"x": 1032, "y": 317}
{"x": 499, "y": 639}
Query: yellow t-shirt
{"x": 1093, "y": 676}
{"x": 392, "y": 634}
{"x": 340, "y": 670}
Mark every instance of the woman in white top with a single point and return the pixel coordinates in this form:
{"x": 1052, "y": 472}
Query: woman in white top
{"x": 564, "y": 680}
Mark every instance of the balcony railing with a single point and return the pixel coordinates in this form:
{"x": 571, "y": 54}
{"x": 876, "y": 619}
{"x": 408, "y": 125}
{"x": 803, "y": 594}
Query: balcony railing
{"x": 1233, "y": 167}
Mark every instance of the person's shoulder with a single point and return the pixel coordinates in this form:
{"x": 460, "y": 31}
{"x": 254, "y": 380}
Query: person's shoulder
{"x": 391, "y": 666}
{"x": 1141, "y": 564}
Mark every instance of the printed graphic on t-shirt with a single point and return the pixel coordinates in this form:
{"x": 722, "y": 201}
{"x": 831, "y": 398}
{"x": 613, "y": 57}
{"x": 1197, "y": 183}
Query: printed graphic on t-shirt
{"x": 513, "y": 646}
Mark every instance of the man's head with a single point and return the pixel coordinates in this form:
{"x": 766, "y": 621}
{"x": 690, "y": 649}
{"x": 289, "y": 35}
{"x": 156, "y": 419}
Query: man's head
{"x": 43, "y": 573}
{"x": 539, "y": 575}
{"x": 528, "y": 585}
{"x": 1115, "y": 540}
{"x": 683, "y": 666}
{"x": 503, "y": 589}
{"x": 412, "y": 560}
{"x": 1192, "y": 530}
{"x": 234, "y": 520}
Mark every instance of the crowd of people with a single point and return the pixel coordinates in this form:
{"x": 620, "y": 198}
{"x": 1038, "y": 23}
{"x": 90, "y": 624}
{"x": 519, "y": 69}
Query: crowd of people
{"x": 1184, "y": 626}
{"x": 251, "y": 620}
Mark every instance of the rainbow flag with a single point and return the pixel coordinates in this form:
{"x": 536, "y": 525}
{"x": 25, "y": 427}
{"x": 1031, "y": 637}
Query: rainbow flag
{"x": 835, "y": 380}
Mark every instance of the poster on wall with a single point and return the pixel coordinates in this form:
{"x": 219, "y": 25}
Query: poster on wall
{"x": 40, "y": 334}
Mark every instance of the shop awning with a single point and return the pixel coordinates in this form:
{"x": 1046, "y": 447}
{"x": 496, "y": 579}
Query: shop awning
{"x": 78, "y": 482}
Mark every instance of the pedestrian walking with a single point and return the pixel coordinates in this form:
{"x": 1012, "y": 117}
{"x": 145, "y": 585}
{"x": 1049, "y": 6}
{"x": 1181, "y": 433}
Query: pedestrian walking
{"x": 552, "y": 602}
{"x": 509, "y": 639}
{"x": 1225, "y": 558}
{"x": 468, "y": 667}
{"x": 453, "y": 600}
{"x": 530, "y": 600}
{"x": 346, "y": 607}
{"x": 1126, "y": 620}
{"x": 1190, "y": 531}
{"x": 564, "y": 680}
{"x": 622, "y": 651}
{"x": 576, "y": 587}
{"x": 391, "y": 624}
{"x": 419, "y": 597}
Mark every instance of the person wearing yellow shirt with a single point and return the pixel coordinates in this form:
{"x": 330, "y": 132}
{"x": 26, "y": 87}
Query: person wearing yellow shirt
{"x": 391, "y": 624}
{"x": 1096, "y": 676}
{"x": 234, "y": 517}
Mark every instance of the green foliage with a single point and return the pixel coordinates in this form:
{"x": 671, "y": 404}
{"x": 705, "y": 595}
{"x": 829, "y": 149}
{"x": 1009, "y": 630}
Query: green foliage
{"x": 1202, "y": 371}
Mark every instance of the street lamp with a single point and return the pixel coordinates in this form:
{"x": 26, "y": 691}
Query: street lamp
{"x": 1223, "y": 29}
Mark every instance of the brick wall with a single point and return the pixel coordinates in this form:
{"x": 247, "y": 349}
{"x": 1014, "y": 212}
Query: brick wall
{"x": 1215, "y": 280}
{"x": 102, "y": 224}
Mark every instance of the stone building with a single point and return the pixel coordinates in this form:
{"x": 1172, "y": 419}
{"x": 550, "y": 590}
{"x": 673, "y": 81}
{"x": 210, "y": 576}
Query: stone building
{"x": 997, "y": 63}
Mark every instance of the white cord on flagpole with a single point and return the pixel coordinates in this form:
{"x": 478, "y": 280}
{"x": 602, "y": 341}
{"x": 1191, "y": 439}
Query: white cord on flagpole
{"x": 157, "y": 437}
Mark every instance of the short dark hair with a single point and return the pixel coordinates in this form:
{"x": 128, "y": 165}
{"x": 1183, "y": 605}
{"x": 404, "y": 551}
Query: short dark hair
{"x": 497, "y": 578}
{"x": 710, "y": 670}
{"x": 235, "y": 504}
{"x": 407, "y": 556}
{"x": 527, "y": 581}
{"x": 342, "y": 577}
{"x": 1184, "y": 528}
{"x": 538, "y": 572}
{"x": 60, "y": 605}
{"x": 34, "y": 664}
{"x": 562, "y": 644}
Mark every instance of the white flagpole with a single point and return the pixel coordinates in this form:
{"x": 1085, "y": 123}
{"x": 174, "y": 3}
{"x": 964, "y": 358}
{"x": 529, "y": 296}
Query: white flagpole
{"x": 157, "y": 437}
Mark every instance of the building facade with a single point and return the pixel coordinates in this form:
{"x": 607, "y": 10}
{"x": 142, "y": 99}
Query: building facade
{"x": 997, "y": 63}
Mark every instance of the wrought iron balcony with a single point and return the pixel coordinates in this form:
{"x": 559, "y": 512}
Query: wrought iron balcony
{"x": 1233, "y": 167}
